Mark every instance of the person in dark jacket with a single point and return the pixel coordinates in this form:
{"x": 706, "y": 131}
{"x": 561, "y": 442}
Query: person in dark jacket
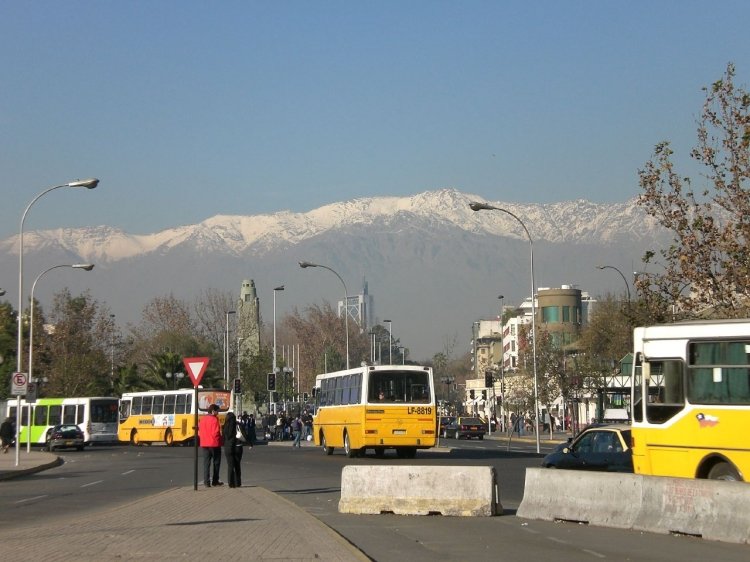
{"x": 7, "y": 433}
{"x": 233, "y": 449}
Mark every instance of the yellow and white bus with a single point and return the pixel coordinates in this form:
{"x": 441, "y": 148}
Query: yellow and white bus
{"x": 376, "y": 407}
{"x": 691, "y": 400}
{"x": 166, "y": 416}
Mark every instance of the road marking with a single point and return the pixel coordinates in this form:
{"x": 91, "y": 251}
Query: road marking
{"x": 91, "y": 483}
{"x": 593, "y": 553}
{"x": 32, "y": 499}
{"x": 128, "y": 472}
{"x": 555, "y": 539}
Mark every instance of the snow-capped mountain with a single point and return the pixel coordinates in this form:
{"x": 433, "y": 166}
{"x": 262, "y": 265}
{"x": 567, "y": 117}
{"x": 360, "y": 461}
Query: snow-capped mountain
{"x": 428, "y": 256}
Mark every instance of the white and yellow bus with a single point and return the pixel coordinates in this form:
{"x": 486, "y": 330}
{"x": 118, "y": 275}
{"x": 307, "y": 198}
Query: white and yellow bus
{"x": 166, "y": 416}
{"x": 376, "y": 407}
{"x": 691, "y": 400}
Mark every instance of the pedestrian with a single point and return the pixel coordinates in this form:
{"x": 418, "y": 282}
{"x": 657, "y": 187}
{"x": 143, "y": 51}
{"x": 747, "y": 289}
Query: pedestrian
{"x": 296, "y": 427}
{"x": 307, "y": 423}
{"x": 250, "y": 429}
{"x": 7, "y": 433}
{"x": 234, "y": 438}
{"x": 209, "y": 433}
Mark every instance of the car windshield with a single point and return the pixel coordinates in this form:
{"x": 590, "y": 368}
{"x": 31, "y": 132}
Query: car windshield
{"x": 67, "y": 428}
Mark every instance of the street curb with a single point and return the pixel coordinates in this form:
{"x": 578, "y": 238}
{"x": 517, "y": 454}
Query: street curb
{"x": 8, "y": 474}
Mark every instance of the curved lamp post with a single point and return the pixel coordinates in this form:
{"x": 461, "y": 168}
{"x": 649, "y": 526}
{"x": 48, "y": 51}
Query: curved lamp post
{"x": 627, "y": 285}
{"x": 90, "y": 183}
{"x": 477, "y": 206}
{"x": 306, "y": 264}
{"x": 83, "y": 266}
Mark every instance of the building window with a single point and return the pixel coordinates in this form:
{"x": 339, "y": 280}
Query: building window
{"x": 566, "y": 313}
{"x": 551, "y": 314}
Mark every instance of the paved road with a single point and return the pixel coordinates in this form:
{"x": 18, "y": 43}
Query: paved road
{"x": 309, "y": 480}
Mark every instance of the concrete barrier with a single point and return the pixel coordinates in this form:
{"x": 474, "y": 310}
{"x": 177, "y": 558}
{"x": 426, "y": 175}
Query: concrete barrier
{"x": 710, "y": 509}
{"x": 420, "y": 490}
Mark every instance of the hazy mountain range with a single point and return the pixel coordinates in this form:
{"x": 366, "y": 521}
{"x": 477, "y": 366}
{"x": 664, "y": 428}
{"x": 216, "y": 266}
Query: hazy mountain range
{"x": 432, "y": 265}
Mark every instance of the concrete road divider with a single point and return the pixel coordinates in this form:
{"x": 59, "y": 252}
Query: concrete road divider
{"x": 420, "y": 490}
{"x": 710, "y": 509}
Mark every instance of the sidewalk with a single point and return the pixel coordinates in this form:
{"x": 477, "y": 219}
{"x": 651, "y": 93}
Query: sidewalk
{"x": 219, "y": 523}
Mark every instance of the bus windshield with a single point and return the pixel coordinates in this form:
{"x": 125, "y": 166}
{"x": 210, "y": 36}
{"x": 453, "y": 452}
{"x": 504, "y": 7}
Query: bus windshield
{"x": 399, "y": 386}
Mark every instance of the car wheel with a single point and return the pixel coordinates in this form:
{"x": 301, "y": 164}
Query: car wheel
{"x": 481, "y": 437}
{"x": 326, "y": 449}
{"x": 724, "y": 471}
{"x": 79, "y": 448}
{"x": 168, "y": 438}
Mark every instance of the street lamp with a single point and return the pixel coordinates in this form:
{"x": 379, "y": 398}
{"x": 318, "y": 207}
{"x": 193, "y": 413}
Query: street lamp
{"x": 90, "y": 183}
{"x": 85, "y": 267}
{"x": 2, "y": 292}
{"x": 175, "y": 377}
{"x": 279, "y": 288}
{"x": 306, "y": 264}
{"x": 477, "y": 206}
{"x": 226, "y": 350}
{"x": 390, "y": 342}
{"x": 627, "y": 285}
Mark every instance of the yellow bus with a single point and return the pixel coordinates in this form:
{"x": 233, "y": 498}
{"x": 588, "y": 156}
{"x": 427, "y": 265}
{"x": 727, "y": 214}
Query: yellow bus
{"x": 376, "y": 407}
{"x": 691, "y": 400}
{"x": 166, "y": 416}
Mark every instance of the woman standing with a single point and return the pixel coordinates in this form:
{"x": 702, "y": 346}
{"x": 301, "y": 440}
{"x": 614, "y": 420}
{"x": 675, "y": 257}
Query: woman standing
{"x": 233, "y": 449}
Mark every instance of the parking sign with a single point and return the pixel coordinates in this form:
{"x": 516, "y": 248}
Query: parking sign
{"x": 19, "y": 384}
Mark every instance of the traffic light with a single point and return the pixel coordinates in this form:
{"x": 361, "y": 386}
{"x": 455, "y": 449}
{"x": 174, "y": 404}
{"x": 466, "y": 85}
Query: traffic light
{"x": 471, "y": 393}
{"x": 271, "y": 383}
{"x": 238, "y": 386}
{"x": 488, "y": 379}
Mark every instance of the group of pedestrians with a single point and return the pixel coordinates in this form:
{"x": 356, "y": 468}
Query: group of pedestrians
{"x": 232, "y": 438}
{"x": 282, "y": 427}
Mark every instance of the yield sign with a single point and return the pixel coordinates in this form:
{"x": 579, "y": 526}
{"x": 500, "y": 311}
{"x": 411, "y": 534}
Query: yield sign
{"x": 195, "y": 366}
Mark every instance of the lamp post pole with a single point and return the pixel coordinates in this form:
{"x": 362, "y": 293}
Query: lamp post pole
{"x": 627, "y": 285}
{"x": 306, "y": 264}
{"x": 477, "y": 206}
{"x": 502, "y": 367}
{"x": 112, "y": 358}
{"x": 390, "y": 342}
{"x": 85, "y": 267}
{"x": 273, "y": 362}
{"x": 226, "y": 350}
{"x": 88, "y": 184}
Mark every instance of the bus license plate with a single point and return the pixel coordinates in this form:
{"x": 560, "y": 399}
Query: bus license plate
{"x": 399, "y": 432}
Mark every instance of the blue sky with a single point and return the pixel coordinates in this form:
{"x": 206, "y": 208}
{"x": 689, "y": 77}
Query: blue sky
{"x": 187, "y": 109}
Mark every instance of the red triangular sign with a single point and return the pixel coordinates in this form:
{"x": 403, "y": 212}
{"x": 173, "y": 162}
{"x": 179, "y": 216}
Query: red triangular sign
{"x": 195, "y": 366}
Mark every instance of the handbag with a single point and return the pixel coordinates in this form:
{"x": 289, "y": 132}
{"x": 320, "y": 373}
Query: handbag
{"x": 240, "y": 434}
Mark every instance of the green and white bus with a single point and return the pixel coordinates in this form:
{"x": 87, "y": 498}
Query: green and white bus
{"x": 97, "y": 418}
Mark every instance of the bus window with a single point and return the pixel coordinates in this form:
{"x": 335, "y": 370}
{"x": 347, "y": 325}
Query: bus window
{"x": 55, "y": 415}
{"x": 169, "y": 402}
{"x": 135, "y": 410}
{"x": 125, "y": 409}
{"x": 80, "y": 414}
{"x": 158, "y": 405}
{"x": 669, "y": 398}
{"x": 180, "y": 404}
{"x": 718, "y": 373}
{"x": 146, "y": 406}
{"x": 25, "y": 415}
{"x": 40, "y": 415}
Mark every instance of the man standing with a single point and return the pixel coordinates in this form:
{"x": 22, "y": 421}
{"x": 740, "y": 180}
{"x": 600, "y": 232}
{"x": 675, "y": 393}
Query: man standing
{"x": 209, "y": 433}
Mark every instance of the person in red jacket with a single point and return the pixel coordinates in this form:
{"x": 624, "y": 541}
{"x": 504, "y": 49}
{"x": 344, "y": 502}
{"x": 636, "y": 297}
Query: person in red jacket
{"x": 211, "y": 440}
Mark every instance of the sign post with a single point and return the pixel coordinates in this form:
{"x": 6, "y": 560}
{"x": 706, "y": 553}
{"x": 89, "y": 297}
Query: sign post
{"x": 195, "y": 367}
{"x": 19, "y": 386}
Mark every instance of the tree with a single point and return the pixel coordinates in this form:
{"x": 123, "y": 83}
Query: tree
{"x": 710, "y": 250}
{"x": 8, "y": 327}
{"x": 78, "y": 359}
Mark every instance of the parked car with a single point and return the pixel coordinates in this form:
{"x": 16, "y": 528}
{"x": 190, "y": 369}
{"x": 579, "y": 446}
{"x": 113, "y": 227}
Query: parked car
{"x": 603, "y": 448}
{"x": 64, "y": 436}
{"x": 465, "y": 427}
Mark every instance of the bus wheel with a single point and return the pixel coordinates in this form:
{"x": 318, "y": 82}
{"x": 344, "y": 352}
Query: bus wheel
{"x": 351, "y": 453}
{"x": 724, "y": 471}
{"x": 168, "y": 438}
{"x": 326, "y": 449}
{"x": 134, "y": 439}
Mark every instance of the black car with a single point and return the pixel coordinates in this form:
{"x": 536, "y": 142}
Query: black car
{"x": 605, "y": 448}
{"x": 66, "y": 435}
{"x": 465, "y": 427}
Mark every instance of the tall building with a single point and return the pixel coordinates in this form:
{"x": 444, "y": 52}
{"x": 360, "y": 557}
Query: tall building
{"x": 359, "y": 308}
{"x": 248, "y": 320}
